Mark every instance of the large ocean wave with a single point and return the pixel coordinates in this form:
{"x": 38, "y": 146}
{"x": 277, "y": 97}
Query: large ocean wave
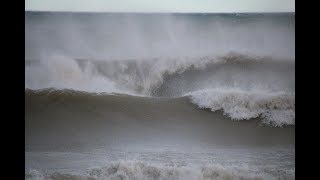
{"x": 159, "y": 96}
{"x": 243, "y": 86}
{"x": 242, "y": 65}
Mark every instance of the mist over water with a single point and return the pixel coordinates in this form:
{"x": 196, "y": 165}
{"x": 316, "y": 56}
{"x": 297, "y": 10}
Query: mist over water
{"x": 126, "y": 36}
{"x": 101, "y": 86}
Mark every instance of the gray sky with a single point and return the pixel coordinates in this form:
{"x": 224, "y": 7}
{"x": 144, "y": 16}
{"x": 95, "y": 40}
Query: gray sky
{"x": 162, "y": 5}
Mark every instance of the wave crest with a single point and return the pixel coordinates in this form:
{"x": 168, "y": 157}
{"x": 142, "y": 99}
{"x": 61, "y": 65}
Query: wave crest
{"x": 144, "y": 76}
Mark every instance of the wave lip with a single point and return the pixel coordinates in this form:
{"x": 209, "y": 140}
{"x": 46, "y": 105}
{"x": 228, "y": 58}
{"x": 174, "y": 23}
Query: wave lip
{"x": 277, "y": 109}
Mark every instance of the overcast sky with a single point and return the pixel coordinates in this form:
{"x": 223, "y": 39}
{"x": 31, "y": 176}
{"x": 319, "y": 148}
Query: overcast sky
{"x": 162, "y": 5}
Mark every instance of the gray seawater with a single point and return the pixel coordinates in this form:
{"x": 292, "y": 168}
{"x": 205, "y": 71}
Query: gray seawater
{"x": 159, "y": 96}
{"x": 81, "y": 135}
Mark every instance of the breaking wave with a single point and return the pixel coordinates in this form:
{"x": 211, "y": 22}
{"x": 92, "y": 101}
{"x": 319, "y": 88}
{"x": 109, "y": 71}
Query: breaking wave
{"x": 159, "y": 96}
{"x": 243, "y": 86}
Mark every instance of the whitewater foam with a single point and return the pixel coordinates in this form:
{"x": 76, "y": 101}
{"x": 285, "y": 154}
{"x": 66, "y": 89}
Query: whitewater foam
{"x": 275, "y": 108}
{"x": 148, "y": 171}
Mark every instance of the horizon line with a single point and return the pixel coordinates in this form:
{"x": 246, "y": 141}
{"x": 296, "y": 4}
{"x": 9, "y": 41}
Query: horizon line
{"x": 163, "y": 12}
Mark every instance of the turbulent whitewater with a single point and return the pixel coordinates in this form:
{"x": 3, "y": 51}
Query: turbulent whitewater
{"x": 107, "y": 93}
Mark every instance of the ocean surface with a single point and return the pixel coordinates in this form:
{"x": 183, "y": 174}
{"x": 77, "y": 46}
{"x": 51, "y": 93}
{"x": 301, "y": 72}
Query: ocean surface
{"x": 159, "y": 96}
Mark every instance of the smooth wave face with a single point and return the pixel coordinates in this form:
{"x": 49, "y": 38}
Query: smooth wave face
{"x": 67, "y": 112}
